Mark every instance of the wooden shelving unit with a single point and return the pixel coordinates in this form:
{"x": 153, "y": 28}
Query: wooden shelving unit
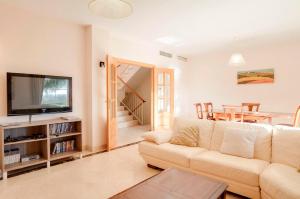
{"x": 24, "y": 141}
{"x": 65, "y": 155}
{"x": 20, "y": 165}
{"x": 64, "y": 135}
{"x": 70, "y": 131}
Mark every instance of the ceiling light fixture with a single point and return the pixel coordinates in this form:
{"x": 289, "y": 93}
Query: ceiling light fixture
{"x": 112, "y": 9}
{"x": 237, "y": 59}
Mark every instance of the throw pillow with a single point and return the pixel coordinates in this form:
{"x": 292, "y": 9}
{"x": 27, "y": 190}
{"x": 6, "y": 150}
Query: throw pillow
{"x": 188, "y": 136}
{"x": 239, "y": 142}
{"x": 157, "y": 137}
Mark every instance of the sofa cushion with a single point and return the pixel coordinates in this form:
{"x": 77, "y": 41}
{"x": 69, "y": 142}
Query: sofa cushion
{"x": 262, "y": 147}
{"x": 280, "y": 181}
{"x": 242, "y": 170}
{"x": 188, "y": 136}
{"x": 205, "y": 129}
{"x": 177, "y": 154}
{"x": 285, "y": 146}
{"x": 239, "y": 142}
{"x": 157, "y": 137}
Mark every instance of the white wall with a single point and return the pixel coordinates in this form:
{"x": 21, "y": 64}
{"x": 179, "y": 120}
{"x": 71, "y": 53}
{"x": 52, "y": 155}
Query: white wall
{"x": 209, "y": 78}
{"x": 34, "y": 44}
{"x": 98, "y": 40}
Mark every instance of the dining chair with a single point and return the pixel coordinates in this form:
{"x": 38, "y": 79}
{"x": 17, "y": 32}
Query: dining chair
{"x": 250, "y": 107}
{"x": 233, "y": 113}
{"x": 296, "y": 120}
{"x": 208, "y": 108}
{"x": 199, "y": 110}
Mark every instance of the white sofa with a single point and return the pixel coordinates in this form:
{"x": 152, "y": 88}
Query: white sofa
{"x": 281, "y": 179}
{"x": 268, "y": 175}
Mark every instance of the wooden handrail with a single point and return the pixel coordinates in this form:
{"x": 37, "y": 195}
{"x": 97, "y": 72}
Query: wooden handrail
{"x": 132, "y": 112}
{"x": 138, "y": 106}
{"x": 131, "y": 89}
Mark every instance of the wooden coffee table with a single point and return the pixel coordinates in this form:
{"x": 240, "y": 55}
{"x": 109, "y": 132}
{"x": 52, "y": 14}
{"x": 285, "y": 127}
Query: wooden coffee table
{"x": 175, "y": 184}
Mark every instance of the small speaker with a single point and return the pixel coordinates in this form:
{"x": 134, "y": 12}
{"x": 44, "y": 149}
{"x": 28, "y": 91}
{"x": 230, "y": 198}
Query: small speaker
{"x": 102, "y": 64}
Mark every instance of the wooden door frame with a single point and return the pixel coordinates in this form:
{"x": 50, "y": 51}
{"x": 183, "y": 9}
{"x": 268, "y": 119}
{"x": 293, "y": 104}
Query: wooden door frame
{"x": 110, "y": 60}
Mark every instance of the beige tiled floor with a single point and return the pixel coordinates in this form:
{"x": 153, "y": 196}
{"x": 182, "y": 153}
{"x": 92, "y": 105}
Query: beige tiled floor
{"x": 94, "y": 177}
{"x": 130, "y": 135}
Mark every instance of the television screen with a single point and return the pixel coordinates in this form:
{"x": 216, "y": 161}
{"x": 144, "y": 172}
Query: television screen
{"x": 33, "y": 94}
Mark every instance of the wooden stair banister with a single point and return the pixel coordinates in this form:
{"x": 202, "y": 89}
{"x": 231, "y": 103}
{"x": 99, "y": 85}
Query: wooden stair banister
{"x": 131, "y": 89}
{"x": 133, "y": 102}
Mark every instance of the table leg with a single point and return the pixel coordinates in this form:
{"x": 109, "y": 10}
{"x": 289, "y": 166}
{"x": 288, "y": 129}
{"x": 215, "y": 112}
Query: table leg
{"x": 216, "y": 116}
{"x": 270, "y": 120}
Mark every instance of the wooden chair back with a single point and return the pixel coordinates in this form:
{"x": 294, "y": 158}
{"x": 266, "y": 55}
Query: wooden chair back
{"x": 199, "y": 110}
{"x": 208, "y": 108}
{"x": 230, "y": 112}
{"x": 297, "y": 118}
{"x": 251, "y": 107}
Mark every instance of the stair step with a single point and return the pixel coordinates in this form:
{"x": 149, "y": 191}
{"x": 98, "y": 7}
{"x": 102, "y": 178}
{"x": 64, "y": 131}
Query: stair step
{"x": 122, "y": 113}
{"x": 121, "y": 108}
{"x": 125, "y": 118}
{"x": 127, "y": 124}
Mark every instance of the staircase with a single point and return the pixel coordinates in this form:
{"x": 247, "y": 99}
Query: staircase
{"x": 131, "y": 104}
{"x": 124, "y": 118}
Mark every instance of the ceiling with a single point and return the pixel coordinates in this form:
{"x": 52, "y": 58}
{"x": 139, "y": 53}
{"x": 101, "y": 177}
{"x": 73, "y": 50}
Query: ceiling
{"x": 192, "y": 25}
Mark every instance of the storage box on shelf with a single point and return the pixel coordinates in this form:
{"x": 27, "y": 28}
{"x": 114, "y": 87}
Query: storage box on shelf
{"x": 38, "y": 143}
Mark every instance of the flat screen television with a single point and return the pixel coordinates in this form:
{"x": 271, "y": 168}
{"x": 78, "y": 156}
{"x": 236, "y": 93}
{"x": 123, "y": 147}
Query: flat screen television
{"x": 29, "y": 94}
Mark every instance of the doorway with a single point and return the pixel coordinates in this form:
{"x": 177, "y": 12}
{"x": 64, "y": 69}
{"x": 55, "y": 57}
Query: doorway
{"x": 131, "y": 107}
{"x": 134, "y": 101}
{"x": 118, "y": 101}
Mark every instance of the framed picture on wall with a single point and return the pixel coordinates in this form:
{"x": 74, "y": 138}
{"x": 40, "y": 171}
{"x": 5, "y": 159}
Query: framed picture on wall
{"x": 262, "y": 76}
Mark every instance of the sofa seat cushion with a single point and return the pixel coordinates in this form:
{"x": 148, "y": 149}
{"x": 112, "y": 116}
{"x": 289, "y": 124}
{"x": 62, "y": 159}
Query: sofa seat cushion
{"x": 242, "y": 170}
{"x": 176, "y": 154}
{"x": 280, "y": 181}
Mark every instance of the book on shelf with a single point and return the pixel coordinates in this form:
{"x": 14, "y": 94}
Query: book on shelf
{"x": 61, "y": 128}
{"x": 63, "y": 146}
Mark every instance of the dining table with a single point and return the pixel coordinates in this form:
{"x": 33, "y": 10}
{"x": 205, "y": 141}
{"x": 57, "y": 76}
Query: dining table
{"x": 236, "y": 112}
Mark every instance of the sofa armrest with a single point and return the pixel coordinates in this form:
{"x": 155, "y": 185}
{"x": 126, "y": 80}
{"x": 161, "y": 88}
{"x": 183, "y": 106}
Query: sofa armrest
{"x": 158, "y": 137}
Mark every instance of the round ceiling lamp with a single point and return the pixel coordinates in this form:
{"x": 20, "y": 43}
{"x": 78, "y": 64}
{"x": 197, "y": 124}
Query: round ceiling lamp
{"x": 112, "y": 9}
{"x": 237, "y": 59}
